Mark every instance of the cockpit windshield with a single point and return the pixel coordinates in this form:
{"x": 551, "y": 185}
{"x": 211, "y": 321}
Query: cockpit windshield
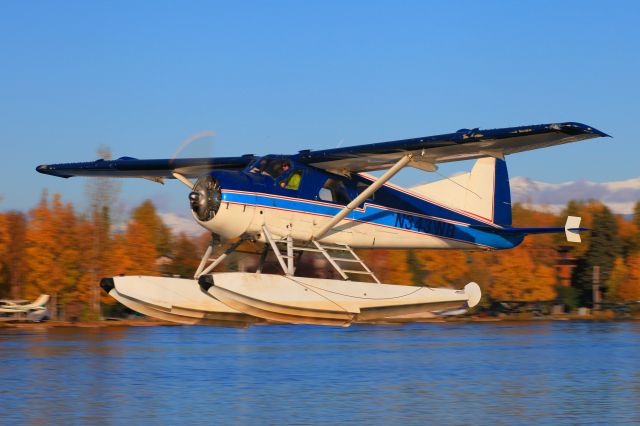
{"x": 272, "y": 167}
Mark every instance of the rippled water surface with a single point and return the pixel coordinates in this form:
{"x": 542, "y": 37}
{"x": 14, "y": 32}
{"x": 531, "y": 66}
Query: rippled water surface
{"x": 478, "y": 373}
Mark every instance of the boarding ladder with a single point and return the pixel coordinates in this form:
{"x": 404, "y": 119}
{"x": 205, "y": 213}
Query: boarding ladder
{"x": 348, "y": 257}
{"x": 338, "y": 255}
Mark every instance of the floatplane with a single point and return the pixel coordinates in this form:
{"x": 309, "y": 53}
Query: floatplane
{"x": 23, "y": 310}
{"x": 325, "y": 202}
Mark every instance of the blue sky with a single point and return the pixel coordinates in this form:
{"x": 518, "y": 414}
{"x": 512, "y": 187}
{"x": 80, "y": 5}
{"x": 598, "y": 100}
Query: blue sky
{"x": 271, "y": 76}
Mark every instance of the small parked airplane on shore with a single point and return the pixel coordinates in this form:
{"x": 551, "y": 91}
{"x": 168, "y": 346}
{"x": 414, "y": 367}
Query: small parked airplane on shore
{"x": 325, "y": 202}
{"x": 23, "y": 310}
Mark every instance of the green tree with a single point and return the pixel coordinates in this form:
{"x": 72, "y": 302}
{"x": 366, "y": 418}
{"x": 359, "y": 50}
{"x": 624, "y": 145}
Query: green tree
{"x": 636, "y": 221}
{"x": 604, "y": 247}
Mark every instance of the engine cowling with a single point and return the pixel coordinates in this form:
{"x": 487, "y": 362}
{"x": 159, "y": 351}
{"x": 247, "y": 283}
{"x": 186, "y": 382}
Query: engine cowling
{"x": 228, "y": 219}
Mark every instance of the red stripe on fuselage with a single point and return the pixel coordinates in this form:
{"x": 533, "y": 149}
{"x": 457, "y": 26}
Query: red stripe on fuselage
{"x": 364, "y": 222}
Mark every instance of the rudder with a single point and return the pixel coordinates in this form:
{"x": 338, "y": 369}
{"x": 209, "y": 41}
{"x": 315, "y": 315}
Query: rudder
{"x": 483, "y": 192}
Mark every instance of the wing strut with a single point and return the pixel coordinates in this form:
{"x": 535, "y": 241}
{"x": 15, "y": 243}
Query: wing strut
{"x": 183, "y": 179}
{"x": 363, "y": 196}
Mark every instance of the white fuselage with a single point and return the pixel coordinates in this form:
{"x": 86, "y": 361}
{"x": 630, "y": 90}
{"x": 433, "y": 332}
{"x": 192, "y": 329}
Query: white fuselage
{"x": 235, "y": 219}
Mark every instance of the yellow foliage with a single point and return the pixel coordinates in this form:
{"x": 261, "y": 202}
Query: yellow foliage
{"x": 619, "y": 274}
{"x": 443, "y": 268}
{"x": 140, "y": 250}
{"x": 517, "y": 277}
{"x": 394, "y": 268}
{"x": 4, "y": 239}
{"x": 53, "y": 253}
{"x": 629, "y": 289}
{"x": 65, "y": 254}
{"x": 146, "y": 215}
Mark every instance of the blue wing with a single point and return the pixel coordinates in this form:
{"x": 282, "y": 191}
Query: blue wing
{"x": 464, "y": 144}
{"x": 131, "y": 167}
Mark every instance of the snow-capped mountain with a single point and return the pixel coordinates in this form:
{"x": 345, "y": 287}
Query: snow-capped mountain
{"x": 619, "y": 196}
{"x": 182, "y": 223}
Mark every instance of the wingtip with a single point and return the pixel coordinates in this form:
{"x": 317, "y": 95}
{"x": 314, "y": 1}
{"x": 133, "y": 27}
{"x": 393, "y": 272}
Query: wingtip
{"x": 48, "y": 170}
{"x": 575, "y": 127}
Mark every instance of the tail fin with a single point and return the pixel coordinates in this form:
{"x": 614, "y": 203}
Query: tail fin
{"x": 483, "y": 192}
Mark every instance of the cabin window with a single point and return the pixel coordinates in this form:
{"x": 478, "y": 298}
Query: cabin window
{"x": 335, "y": 191}
{"x": 259, "y": 166}
{"x": 325, "y": 194}
{"x": 293, "y": 181}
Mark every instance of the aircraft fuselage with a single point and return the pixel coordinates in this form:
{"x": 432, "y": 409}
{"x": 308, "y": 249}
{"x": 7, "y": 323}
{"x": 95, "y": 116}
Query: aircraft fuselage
{"x": 263, "y": 194}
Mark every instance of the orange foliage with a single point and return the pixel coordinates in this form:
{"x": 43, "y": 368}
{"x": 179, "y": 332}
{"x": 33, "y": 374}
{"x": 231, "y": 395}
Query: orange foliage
{"x": 444, "y": 268}
{"x": 629, "y": 288}
{"x": 65, "y": 254}
{"x": 53, "y": 254}
{"x": 146, "y": 215}
{"x": 135, "y": 252}
{"x": 4, "y": 236}
{"x": 519, "y": 278}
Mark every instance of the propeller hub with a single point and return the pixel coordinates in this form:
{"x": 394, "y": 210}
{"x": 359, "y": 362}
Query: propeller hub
{"x": 205, "y": 198}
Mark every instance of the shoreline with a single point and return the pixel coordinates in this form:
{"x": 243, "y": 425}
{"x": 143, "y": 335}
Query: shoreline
{"x": 598, "y": 317}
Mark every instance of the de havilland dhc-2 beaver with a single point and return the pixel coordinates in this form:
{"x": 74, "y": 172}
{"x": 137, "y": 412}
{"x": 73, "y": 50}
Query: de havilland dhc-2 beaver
{"x": 325, "y": 202}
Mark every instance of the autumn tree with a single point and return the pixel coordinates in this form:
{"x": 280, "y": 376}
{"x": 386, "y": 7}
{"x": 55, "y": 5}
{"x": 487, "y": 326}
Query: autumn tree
{"x": 629, "y": 289}
{"x": 5, "y": 285}
{"x": 147, "y": 215}
{"x": 133, "y": 252}
{"x": 52, "y": 247}
{"x": 17, "y": 223}
{"x": 619, "y": 274}
{"x": 519, "y": 278}
{"x": 442, "y": 268}
{"x": 185, "y": 257}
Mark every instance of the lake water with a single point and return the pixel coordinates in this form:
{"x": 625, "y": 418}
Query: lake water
{"x": 476, "y": 373}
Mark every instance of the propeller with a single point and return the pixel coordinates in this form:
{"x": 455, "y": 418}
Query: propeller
{"x": 205, "y": 195}
{"x": 205, "y": 135}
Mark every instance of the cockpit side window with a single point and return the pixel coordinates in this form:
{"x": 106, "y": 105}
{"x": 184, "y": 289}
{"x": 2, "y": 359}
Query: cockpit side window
{"x": 271, "y": 167}
{"x": 334, "y": 190}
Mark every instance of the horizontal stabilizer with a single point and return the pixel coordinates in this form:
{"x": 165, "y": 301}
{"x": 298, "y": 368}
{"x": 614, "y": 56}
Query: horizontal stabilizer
{"x": 571, "y": 229}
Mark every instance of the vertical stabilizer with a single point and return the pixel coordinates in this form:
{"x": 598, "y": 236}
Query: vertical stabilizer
{"x": 484, "y": 192}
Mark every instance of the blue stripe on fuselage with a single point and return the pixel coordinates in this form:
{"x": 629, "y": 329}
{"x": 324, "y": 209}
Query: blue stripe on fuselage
{"x": 382, "y": 216}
